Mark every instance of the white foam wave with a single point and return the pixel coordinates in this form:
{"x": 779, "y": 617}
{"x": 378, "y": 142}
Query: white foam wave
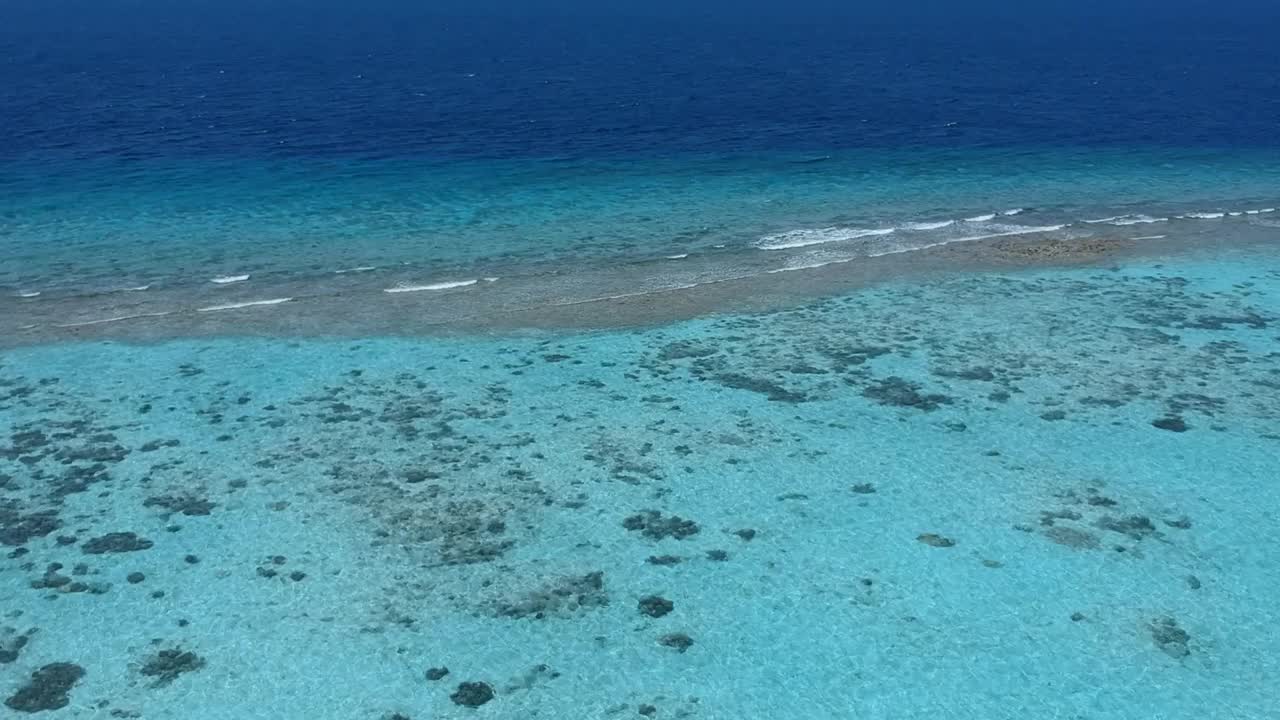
{"x": 636, "y": 293}
{"x": 248, "y": 303}
{"x": 228, "y": 279}
{"x": 1014, "y": 230}
{"x": 1235, "y": 213}
{"x": 1011, "y": 231}
{"x": 805, "y": 238}
{"x": 981, "y": 218}
{"x": 1139, "y": 220}
{"x": 362, "y": 268}
{"x": 433, "y": 286}
{"x": 812, "y": 266}
{"x": 139, "y": 288}
{"x": 1127, "y": 220}
{"x": 1014, "y": 211}
{"x": 1204, "y": 215}
{"x": 929, "y": 225}
{"x": 681, "y": 256}
{"x": 1151, "y": 237}
{"x": 116, "y": 318}
{"x": 29, "y": 294}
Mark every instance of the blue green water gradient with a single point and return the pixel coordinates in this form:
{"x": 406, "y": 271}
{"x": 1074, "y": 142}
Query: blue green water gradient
{"x": 405, "y": 361}
{"x": 127, "y": 224}
{"x": 1043, "y": 492}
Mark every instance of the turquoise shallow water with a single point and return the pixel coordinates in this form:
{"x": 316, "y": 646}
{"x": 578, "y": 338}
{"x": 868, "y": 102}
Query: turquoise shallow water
{"x": 149, "y": 249}
{"x": 991, "y": 495}
{"x": 932, "y": 366}
{"x": 117, "y": 224}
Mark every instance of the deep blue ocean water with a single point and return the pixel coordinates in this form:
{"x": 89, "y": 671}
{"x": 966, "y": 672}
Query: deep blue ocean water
{"x": 215, "y": 139}
{"x": 134, "y": 81}
{"x": 933, "y": 367}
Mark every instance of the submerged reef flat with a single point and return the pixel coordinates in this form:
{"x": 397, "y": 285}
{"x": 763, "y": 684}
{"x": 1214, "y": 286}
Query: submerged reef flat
{"x": 628, "y": 291}
{"x": 1002, "y": 494}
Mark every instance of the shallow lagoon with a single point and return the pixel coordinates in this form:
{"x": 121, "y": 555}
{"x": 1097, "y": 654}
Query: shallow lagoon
{"x": 980, "y": 495}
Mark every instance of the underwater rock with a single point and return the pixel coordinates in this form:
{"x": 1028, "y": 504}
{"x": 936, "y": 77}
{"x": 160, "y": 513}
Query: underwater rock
{"x": 1073, "y": 538}
{"x": 111, "y": 454}
{"x": 717, "y": 555}
{"x": 656, "y": 606}
{"x": 863, "y": 489}
{"x": 78, "y": 478}
{"x": 116, "y": 542}
{"x": 560, "y": 598}
{"x": 747, "y": 534}
{"x": 772, "y": 390}
{"x": 185, "y": 504}
{"x": 936, "y": 540}
{"x": 685, "y": 349}
{"x": 647, "y": 710}
{"x": 977, "y": 373}
{"x": 11, "y": 644}
{"x": 679, "y": 641}
{"x": 1134, "y": 526}
{"x": 653, "y": 525}
{"x": 437, "y": 673}
{"x": 1049, "y": 517}
{"x": 1214, "y": 322}
{"x": 471, "y": 551}
{"x": 166, "y": 665}
{"x": 18, "y": 529}
{"x": 48, "y": 688}
{"x": 155, "y": 445}
{"x": 1172, "y": 424}
{"x": 472, "y": 694}
{"x": 135, "y": 577}
{"x": 1172, "y": 639}
{"x": 895, "y": 391}
{"x": 845, "y": 356}
{"x": 664, "y": 560}
{"x": 414, "y": 476}
{"x": 52, "y": 580}
{"x": 25, "y": 442}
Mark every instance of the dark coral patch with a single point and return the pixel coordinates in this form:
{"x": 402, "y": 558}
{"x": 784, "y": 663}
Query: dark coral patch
{"x": 166, "y": 665}
{"x": 897, "y": 392}
{"x": 116, "y": 542}
{"x": 656, "y": 606}
{"x": 472, "y": 694}
{"x": 48, "y": 689}
{"x": 652, "y": 524}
